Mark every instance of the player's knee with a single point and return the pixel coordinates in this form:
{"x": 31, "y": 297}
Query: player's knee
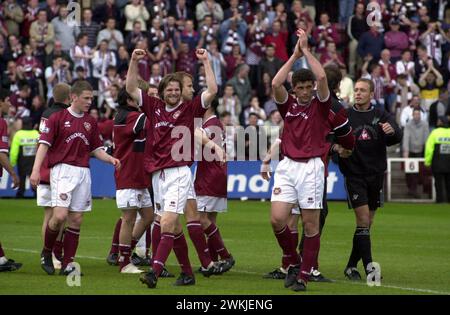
{"x": 75, "y": 221}
{"x": 204, "y": 220}
{"x": 277, "y": 222}
{"x": 311, "y": 228}
{"x": 168, "y": 224}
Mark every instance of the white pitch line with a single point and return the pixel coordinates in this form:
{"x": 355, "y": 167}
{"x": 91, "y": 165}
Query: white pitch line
{"x": 256, "y": 273}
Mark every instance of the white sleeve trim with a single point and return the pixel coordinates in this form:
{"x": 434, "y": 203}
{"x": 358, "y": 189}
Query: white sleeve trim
{"x": 340, "y": 126}
{"x": 4, "y": 150}
{"x": 99, "y": 148}
{"x": 137, "y": 121}
{"x": 284, "y": 102}
{"x": 45, "y": 142}
{"x": 204, "y": 105}
{"x": 326, "y": 98}
{"x": 140, "y": 100}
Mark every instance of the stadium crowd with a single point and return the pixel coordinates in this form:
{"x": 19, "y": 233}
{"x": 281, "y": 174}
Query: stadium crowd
{"x": 406, "y": 55}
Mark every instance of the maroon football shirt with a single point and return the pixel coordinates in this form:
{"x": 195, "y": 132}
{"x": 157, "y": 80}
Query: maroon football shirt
{"x": 129, "y": 145}
{"x": 211, "y": 177}
{"x": 305, "y": 128}
{"x": 4, "y": 140}
{"x": 71, "y": 137}
{"x": 163, "y": 120}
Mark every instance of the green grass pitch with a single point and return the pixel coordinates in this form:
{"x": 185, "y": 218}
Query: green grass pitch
{"x": 410, "y": 241}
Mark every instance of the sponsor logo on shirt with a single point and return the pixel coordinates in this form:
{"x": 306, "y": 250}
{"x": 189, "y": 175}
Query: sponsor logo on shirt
{"x": 67, "y": 124}
{"x": 78, "y": 135}
{"x": 158, "y": 112}
{"x": 304, "y": 115}
{"x": 5, "y": 139}
{"x": 364, "y": 135}
{"x": 87, "y": 126}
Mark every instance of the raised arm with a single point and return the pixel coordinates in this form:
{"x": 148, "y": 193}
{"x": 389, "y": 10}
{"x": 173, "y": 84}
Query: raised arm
{"x": 316, "y": 67}
{"x": 211, "y": 85}
{"x": 132, "y": 81}
{"x": 279, "y": 91}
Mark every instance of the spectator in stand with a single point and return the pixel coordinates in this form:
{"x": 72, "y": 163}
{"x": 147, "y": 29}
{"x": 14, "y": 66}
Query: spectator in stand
{"x": 413, "y": 35}
{"x": 158, "y": 9}
{"x": 42, "y": 32}
{"x": 20, "y": 101}
{"x": 32, "y": 69}
{"x": 81, "y": 55}
{"x": 274, "y": 125}
{"x": 166, "y": 57}
{"x": 58, "y": 72}
{"x": 422, "y": 61}
{"x": 388, "y": 68}
{"x": 209, "y": 7}
{"x": 182, "y": 13}
{"x": 395, "y": 40}
{"x": 254, "y": 108}
{"x": 208, "y": 31}
{"x": 217, "y": 62}
{"x": 134, "y": 36}
{"x": 297, "y": 14}
{"x": 11, "y": 77}
{"x": 171, "y": 31}
{"x": 233, "y": 60}
{"x": 123, "y": 60}
{"x": 278, "y": 13}
{"x": 405, "y": 66}
{"x": 269, "y": 65}
{"x": 415, "y": 136}
{"x": 89, "y": 27}
{"x": 145, "y": 63}
{"x": 331, "y": 56}
{"x": 186, "y": 60}
{"x": 15, "y": 47}
{"x": 58, "y": 52}
{"x": 190, "y": 36}
{"x": 404, "y": 92}
{"x": 110, "y": 102}
{"x": 324, "y": 33}
{"x": 241, "y": 84}
{"x": 407, "y": 112}
{"x": 370, "y": 43}
{"x": 254, "y": 127}
{"x": 230, "y": 135}
{"x": 345, "y": 11}
{"x": 433, "y": 39}
{"x": 136, "y": 11}
{"x": 105, "y": 11}
{"x": 278, "y": 37}
{"x": 346, "y": 92}
{"x": 231, "y": 104}
{"x": 111, "y": 34}
{"x": 37, "y": 109}
{"x": 102, "y": 60}
{"x": 430, "y": 82}
{"x": 31, "y": 13}
{"x": 52, "y": 8}
{"x": 235, "y": 5}
{"x": 255, "y": 47}
{"x": 156, "y": 36}
{"x": 156, "y": 74}
{"x": 438, "y": 109}
{"x": 264, "y": 92}
{"x": 233, "y": 31}
{"x": 65, "y": 32}
{"x": 13, "y": 17}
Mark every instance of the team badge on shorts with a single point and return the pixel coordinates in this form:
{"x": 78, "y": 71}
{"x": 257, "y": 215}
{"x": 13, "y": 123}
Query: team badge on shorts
{"x": 176, "y": 114}
{"x": 87, "y": 126}
{"x": 310, "y": 200}
{"x": 277, "y": 191}
{"x": 158, "y": 206}
{"x": 172, "y": 204}
{"x": 139, "y": 197}
{"x": 63, "y": 197}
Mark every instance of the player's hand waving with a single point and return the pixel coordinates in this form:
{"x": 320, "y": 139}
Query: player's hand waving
{"x": 138, "y": 54}
{"x": 387, "y": 128}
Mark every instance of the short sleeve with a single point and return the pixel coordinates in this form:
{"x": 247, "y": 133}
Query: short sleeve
{"x": 4, "y": 140}
{"x": 284, "y": 106}
{"x": 197, "y": 105}
{"x": 48, "y": 128}
{"x": 147, "y": 103}
{"x": 95, "y": 141}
